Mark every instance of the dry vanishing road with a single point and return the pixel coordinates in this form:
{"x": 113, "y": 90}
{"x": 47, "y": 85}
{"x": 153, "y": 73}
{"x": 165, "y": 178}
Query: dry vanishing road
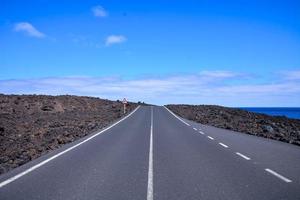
{"x": 153, "y": 154}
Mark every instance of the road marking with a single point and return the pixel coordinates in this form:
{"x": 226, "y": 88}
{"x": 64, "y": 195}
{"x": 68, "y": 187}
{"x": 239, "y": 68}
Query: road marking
{"x": 177, "y": 117}
{"x": 195, "y": 129}
{"x": 150, "y": 170}
{"x": 61, "y": 153}
{"x": 279, "y": 176}
{"x": 211, "y": 138}
{"x": 224, "y": 145}
{"x": 243, "y": 156}
{"x": 201, "y": 132}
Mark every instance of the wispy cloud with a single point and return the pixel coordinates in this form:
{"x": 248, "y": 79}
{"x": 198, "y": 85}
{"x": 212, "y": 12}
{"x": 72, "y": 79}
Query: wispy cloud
{"x": 99, "y": 11}
{"x": 201, "y": 88}
{"x": 290, "y": 75}
{"x": 219, "y": 74}
{"x": 115, "y": 39}
{"x": 28, "y": 29}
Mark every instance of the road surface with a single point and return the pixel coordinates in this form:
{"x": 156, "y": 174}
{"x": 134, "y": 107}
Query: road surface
{"x": 154, "y": 154}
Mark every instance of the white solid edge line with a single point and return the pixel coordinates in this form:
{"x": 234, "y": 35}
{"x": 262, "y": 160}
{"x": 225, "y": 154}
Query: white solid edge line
{"x": 224, "y": 145}
{"x": 61, "y": 153}
{"x": 211, "y": 138}
{"x": 279, "y": 176}
{"x": 176, "y": 116}
{"x": 150, "y": 169}
{"x": 201, "y": 132}
{"x": 243, "y": 156}
{"x": 195, "y": 129}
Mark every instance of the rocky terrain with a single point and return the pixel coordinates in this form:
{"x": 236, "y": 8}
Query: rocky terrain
{"x": 32, "y": 125}
{"x": 277, "y": 128}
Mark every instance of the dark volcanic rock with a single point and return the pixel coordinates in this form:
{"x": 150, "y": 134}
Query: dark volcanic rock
{"x": 277, "y": 128}
{"x": 47, "y": 108}
{"x": 31, "y": 125}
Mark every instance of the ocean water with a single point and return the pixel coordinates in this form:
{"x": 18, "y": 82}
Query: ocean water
{"x": 276, "y": 111}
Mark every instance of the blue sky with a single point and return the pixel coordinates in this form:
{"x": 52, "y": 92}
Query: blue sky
{"x": 233, "y": 53}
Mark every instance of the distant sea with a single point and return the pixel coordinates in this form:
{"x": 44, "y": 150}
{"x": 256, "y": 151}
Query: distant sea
{"x": 276, "y": 111}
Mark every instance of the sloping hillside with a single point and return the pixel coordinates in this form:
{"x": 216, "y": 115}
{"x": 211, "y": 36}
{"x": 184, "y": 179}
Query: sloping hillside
{"x": 277, "y": 128}
{"x": 31, "y": 125}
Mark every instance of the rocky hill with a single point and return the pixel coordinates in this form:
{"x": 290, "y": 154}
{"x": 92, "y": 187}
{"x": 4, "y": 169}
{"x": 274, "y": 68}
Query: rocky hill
{"x": 31, "y": 125}
{"x": 277, "y": 128}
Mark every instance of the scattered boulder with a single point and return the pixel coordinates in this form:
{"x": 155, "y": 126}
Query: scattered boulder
{"x": 268, "y": 128}
{"x": 47, "y": 108}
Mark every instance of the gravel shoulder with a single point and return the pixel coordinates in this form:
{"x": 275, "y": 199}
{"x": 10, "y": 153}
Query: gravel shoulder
{"x": 278, "y": 128}
{"x": 32, "y": 125}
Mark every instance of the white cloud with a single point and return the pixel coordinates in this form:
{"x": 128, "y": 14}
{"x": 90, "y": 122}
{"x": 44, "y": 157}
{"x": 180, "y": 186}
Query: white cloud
{"x": 115, "y": 39}
{"x": 291, "y": 75}
{"x": 188, "y": 88}
{"x": 28, "y": 29}
{"x": 218, "y": 74}
{"x": 99, "y": 11}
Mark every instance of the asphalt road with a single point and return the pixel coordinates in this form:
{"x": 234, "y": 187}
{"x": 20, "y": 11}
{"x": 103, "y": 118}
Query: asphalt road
{"x": 152, "y": 154}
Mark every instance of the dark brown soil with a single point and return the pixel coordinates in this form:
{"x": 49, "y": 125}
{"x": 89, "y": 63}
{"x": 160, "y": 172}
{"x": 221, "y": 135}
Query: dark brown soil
{"x": 277, "y": 128}
{"x": 32, "y": 125}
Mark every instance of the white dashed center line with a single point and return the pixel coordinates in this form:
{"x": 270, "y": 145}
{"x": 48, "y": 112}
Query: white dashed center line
{"x": 211, "y": 138}
{"x": 201, "y": 132}
{"x": 150, "y": 169}
{"x": 195, "y": 129}
{"x": 224, "y": 145}
{"x": 243, "y": 156}
{"x": 278, "y": 175}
